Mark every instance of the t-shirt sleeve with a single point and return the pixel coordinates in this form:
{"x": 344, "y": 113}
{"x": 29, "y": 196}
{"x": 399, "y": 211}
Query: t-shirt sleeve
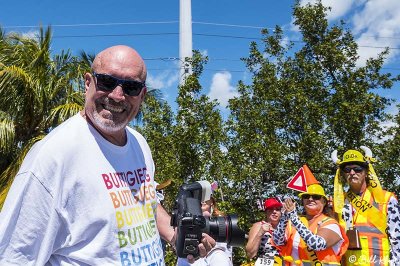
{"x": 335, "y": 228}
{"x": 28, "y": 223}
{"x": 218, "y": 257}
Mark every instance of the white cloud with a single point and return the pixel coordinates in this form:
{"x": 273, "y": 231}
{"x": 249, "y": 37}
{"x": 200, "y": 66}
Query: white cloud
{"x": 164, "y": 80}
{"x": 377, "y": 25}
{"x": 204, "y": 52}
{"x": 393, "y": 110}
{"x": 338, "y": 7}
{"x": 32, "y": 34}
{"x": 221, "y": 89}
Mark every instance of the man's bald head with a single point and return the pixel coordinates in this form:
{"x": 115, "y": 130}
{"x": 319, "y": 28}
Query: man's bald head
{"x": 120, "y": 59}
{"x": 109, "y": 105}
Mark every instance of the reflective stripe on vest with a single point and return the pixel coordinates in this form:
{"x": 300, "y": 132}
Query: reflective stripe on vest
{"x": 375, "y": 244}
{"x": 328, "y": 256}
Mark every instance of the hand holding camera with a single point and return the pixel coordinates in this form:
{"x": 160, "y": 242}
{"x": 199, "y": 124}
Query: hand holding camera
{"x": 195, "y": 230}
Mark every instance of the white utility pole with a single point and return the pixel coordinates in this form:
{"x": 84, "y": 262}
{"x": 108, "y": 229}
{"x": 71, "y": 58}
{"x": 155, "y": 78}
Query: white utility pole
{"x": 185, "y": 38}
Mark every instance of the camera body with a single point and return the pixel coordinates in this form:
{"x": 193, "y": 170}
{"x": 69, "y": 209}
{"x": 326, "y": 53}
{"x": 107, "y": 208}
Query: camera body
{"x": 188, "y": 218}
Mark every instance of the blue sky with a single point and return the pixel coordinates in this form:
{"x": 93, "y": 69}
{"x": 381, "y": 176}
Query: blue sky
{"x": 222, "y": 29}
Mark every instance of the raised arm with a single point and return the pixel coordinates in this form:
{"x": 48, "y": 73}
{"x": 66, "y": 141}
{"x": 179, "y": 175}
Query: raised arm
{"x": 256, "y": 233}
{"x": 323, "y": 239}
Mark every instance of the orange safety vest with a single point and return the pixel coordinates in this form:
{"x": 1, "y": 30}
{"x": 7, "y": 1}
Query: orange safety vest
{"x": 310, "y": 257}
{"x": 375, "y": 244}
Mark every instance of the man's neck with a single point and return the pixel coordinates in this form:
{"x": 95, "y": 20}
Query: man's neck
{"x": 116, "y": 139}
{"x": 359, "y": 190}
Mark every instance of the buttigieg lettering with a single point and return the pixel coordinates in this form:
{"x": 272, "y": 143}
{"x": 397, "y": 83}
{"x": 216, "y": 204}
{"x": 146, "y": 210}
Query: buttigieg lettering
{"x": 128, "y": 197}
{"x": 125, "y": 179}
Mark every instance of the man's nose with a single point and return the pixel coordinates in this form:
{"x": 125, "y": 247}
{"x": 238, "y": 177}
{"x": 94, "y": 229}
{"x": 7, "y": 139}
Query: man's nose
{"x": 117, "y": 94}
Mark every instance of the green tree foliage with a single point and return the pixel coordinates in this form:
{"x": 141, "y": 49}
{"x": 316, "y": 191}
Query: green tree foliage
{"x": 186, "y": 146}
{"x": 388, "y": 158}
{"x": 157, "y": 127}
{"x": 37, "y": 92}
{"x": 302, "y": 104}
{"x": 198, "y": 134}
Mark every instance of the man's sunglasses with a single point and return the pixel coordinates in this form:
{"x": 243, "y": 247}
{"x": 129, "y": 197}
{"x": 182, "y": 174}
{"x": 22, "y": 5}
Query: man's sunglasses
{"x": 308, "y": 196}
{"x": 357, "y": 169}
{"x": 108, "y": 83}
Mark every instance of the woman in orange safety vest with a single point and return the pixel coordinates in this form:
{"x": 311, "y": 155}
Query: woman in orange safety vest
{"x": 313, "y": 239}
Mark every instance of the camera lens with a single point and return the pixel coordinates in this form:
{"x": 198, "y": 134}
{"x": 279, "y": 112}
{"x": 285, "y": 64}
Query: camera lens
{"x": 226, "y": 229}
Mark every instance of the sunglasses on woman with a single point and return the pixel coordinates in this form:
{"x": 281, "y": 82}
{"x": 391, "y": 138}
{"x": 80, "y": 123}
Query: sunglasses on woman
{"x": 107, "y": 82}
{"x": 357, "y": 169}
{"x": 311, "y": 196}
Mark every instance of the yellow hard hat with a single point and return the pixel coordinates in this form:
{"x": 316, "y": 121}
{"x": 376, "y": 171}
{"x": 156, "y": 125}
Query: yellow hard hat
{"x": 314, "y": 189}
{"x": 352, "y": 156}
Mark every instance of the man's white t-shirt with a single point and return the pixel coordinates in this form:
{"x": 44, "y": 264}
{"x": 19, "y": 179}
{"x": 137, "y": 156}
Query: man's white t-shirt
{"x": 220, "y": 255}
{"x": 80, "y": 200}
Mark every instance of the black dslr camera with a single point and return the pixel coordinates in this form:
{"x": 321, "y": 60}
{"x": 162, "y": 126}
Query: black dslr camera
{"x": 188, "y": 218}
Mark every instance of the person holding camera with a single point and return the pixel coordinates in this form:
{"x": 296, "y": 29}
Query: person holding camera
{"x": 259, "y": 243}
{"x": 370, "y": 214}
{"x": 221, "y": 254}
{"x": 85, "y": 194}
{"x": 312, "y": 239}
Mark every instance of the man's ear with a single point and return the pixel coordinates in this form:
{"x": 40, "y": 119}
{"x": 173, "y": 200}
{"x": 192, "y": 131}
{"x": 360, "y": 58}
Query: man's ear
{"x": 88, "y": 80}
{"x": 143, "y": 93}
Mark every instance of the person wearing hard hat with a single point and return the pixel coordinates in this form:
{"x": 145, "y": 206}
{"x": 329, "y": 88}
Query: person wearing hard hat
{"x": 312, "y": 239}
{"x": 259, "y": 243}
{"x": 370, "y": 214}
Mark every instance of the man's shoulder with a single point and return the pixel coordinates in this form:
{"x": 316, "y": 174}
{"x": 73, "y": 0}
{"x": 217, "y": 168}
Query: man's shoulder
{"x": 137, "y": 136}
{"x": 134, "y": 132}
{"x": 64, "y": 137}
{"x": 388, "y": 196}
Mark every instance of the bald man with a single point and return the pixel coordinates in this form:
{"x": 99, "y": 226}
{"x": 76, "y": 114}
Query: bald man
{"x": 85, "y": 194}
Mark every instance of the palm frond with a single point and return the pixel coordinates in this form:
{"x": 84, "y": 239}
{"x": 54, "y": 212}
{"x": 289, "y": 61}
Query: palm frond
{"x": 62, "y": 112}
{"x": 7, "y": 177}
{"x": 7, "y": 132}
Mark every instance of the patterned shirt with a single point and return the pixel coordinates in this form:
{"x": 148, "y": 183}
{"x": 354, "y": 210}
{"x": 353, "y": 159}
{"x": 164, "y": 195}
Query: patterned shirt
{"x": 266, "y": 249}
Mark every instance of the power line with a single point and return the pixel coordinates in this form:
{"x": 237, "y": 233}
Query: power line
{"x": 134, "y": 23}
{"x": 227, "y": 36}
{"x": 114, "y": 35}
{"x": 174, "y": 33}
{"x": 95, "y": 24}
{"x": 230, "y": 25}
{"x": 160, "y": 22}
{"x": 217, "y": 70}
{"x": 174, "y": 58}
{"x": 196, "y": 34}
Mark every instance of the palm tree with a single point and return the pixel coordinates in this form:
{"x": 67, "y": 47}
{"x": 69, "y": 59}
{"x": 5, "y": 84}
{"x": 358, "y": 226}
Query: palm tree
{"x": 37, "y": 92}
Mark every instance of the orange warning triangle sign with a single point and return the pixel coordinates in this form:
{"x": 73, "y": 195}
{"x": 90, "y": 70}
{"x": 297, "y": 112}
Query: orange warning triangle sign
{"x": 298, "y": 182}
{"x": 310, "y": 178}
